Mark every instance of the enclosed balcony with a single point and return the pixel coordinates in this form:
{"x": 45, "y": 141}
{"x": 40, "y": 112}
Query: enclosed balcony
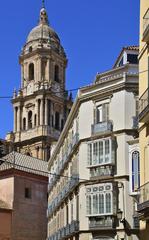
{"x": 143, "y": 206}
{"x": 102, "y": 127}
{"x": 144, "y": 107}
{"x": 96, "y": 223}
{"x": 146, "y": 27}
{"x": 102, "y": 171}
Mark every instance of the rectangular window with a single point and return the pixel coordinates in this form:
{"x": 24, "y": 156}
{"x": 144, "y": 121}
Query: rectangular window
{"x": 102, "y": 113}
{"x": 101, "y": 202}
{"x": 132, "y": 58}
{"x": 101, "y": 152}
{"x": 27, "y": 193}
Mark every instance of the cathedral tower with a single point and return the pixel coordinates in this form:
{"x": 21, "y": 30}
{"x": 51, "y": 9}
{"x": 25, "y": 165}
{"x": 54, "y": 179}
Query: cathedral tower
{"x": 41, "y": 105}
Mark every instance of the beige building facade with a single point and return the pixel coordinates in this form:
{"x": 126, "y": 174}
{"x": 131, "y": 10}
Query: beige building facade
{"x": 42, "y": 104}
{"x": 143, "y": 206}
{"x": 89, "y": 197}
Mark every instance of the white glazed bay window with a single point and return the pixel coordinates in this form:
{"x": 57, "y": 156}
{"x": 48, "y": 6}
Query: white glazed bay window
{"x": 99, "y": 200}
{"x": 101, "y": 152}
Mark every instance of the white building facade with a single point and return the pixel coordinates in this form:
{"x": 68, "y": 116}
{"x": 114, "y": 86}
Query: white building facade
{"x": 89, "y": 169}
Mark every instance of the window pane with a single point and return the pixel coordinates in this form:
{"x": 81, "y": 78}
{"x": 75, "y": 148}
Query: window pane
{"x": 108, "y": 203}
{"x": 88, "y": 204}
{"x": 99, "y": 114}
{"x": 100, "y": 152}
{"x": 135, "y": 171}
{"x": 95, "y": 204}
{"x": 95, "y": 153}
{"x": 107, "y": 150}
{"x": 101, "y": 203}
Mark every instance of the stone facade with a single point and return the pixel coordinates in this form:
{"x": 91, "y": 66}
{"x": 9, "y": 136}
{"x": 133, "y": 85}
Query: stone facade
{"x": 42, "y": 104}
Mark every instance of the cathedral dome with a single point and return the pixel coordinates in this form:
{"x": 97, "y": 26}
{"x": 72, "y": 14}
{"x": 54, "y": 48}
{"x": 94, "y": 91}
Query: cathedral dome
{"x": 43, "y": 36}
{"x": 43, "y": 30}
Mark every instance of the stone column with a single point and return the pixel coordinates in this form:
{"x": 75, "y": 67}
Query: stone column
{"x": 41, "y": 112}
{"x": 40, "y": 153}
{"x": 39, "y": 62}
{"x": 15, "y": 119}
{"x": 48, "y": 69}
{"x": 46, "y": 111}
{"x": 19, "y": 119}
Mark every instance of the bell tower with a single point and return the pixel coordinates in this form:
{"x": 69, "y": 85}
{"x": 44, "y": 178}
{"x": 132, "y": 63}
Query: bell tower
{"x": 42, "y": 104}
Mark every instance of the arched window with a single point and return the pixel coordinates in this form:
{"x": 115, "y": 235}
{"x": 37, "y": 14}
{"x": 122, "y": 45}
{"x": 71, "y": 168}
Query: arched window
{"x": 57, "y": 118}
{"x": 108, "y": 202}
{"x": 95, "y": 204}
{"x": 30, "y": 49}
{"x": 30, "y": 119}
{"x": 135, "y": 171}
{"x": 24, "y": 123}
{"x": 31, "y": 71}
{"x": 101, "y": 203}
{"x": 28, "y": 154}
{"x": 56, "y": 73}
{"x": 89, "y": 205}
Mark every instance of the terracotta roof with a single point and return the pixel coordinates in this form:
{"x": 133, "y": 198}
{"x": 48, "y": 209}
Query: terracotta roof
{"x": 15, "y": 160}
{"x": 131, "y": 48}
{"x": 4, "y": 205}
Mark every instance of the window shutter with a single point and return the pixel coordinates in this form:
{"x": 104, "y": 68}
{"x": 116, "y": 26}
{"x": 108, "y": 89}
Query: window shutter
{"x": 95, "y": 121}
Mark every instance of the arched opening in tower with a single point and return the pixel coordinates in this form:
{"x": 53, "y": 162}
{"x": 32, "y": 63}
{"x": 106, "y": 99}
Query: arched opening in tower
{"x": 30, "y": 119}
{"x": 31, "y": 71}
{"x": 56, "y": 74}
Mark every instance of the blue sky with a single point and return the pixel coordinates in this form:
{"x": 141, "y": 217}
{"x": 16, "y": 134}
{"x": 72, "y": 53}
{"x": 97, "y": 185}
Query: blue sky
{"x": 91, "y": 31}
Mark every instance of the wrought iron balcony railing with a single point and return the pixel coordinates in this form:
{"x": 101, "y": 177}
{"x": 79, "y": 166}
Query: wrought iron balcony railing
{"x": 105, "y": 170}
{"x": 63, "y": 194}
{"x": 102, "y": 127}
{"x": 144, "y": 197}
{"x": 144, "y": 104}
{"x": 101, "y": 223}
{"x": 65, "y": 159}
{"x": 68, "y": 230}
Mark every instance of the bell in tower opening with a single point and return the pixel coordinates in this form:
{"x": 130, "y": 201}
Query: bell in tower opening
{"x": 42, "y": 104}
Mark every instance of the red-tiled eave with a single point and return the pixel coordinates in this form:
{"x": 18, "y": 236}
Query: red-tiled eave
{"x": 15, "y": 172}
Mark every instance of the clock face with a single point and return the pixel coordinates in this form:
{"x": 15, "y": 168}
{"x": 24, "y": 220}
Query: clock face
{"x": 56, "y": 88}
{"x": 30, "y": 88}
